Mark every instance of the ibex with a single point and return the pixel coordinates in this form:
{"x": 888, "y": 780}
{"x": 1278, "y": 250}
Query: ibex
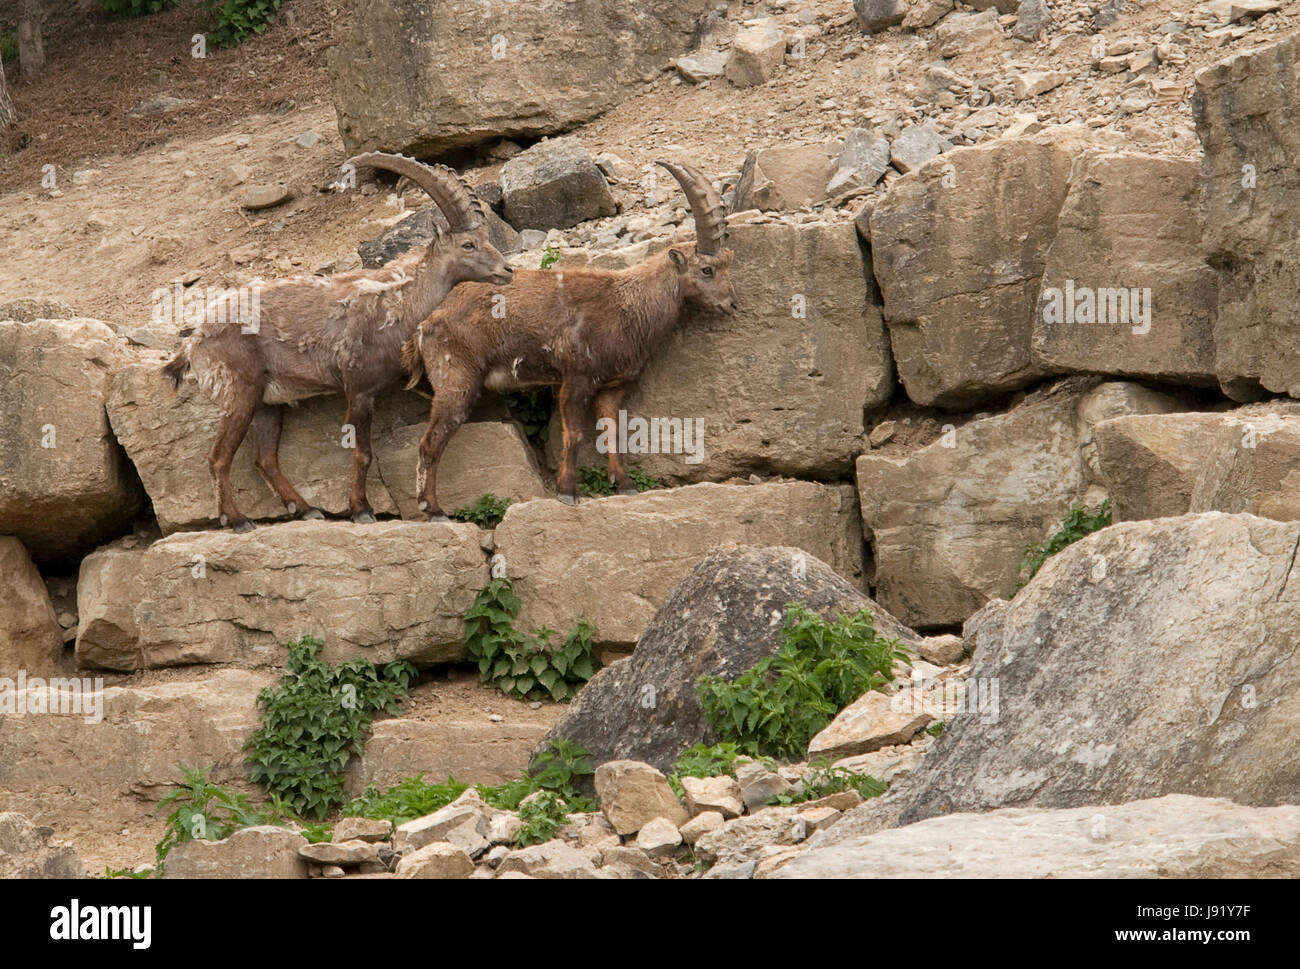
{"x": 590, "y": 331}
{"x": 314, "y": 335}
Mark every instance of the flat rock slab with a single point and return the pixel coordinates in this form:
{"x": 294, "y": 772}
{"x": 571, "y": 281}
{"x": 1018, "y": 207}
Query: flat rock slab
{"x": 392, "y": 590}
{"x": 1176, "y": 836}
{"x": 614, "y": 560}
{"x": 473, "y": 752}
{"x": 168, "y": 433}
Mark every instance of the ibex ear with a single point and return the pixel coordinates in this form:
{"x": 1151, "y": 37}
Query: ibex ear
{"x": 678, "y": 257}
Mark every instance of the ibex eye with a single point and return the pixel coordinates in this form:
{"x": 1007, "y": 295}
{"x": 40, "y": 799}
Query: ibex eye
{"x": 468, "y": 245}
{"x": 707, "y": 270}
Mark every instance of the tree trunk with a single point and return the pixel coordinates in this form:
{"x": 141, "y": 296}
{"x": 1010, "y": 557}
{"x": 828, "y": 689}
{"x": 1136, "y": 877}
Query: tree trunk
{"x": 31, "y": 50}
{"x": 7, "y": 114}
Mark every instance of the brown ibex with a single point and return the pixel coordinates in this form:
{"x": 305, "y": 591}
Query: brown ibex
{"x": 590, "y": 331}
{"x": 314, "y": 335}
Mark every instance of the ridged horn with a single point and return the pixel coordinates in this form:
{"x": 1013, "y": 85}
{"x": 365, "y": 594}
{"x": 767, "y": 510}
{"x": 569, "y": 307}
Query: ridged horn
{"x": 706, "y": 206}
{"x": 451, "y": 193}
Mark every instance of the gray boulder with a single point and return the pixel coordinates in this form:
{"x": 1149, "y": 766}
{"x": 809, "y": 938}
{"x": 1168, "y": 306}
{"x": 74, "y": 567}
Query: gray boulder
{"x": 721, "y": 619}
{"x": 554, "y": 185}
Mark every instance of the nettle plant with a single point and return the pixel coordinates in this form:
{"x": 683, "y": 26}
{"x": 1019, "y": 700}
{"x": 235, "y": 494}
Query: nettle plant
{"x": 485, "y": 511}
{"x": 315, "y": 721}
{"x": 237, "y": 20}
{"x": 525, "y": 666}
{"x": 784, "y": 700}
{"x": 1074, "y": 526}
{"x": 595, "y": 482}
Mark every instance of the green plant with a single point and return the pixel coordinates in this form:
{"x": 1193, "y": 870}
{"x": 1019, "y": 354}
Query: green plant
{"x": 532, "y": 409}
{"x": 827, "y": 780}
{"x": 935, "y": 728}
{"x": 127, "y": 873}
{"x": 542, "y": 816}
{"x": 210, "y": 812}
{"x": 528, "y": 667}
{"x": 315, "y": 721}
{"x": 135, "y": 8}
{"x": 781, "y": 702}
{"x": 412, "y": 798}
{"x": 485, "y": 511}
{"x": 702, "y": 761}
{"x": 1077, "y": 524}
{"x": 237, "y": 20}
{"x": 8, "y": 47}
{"x": 550, "y": 256}
{"x": 594, "y": 481}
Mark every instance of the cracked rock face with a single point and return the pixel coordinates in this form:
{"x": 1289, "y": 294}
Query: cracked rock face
{"x": 1151, "y": 658}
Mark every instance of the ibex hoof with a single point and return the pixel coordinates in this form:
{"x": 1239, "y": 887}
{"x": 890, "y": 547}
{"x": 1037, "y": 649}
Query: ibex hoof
{"x": 568, "y": 499}
{"x": 313, "y": 515}
{"x": 437, "y": 518}
{"x": 629, "y": 491}
{"x": 364, "y": 518}
{"x": 242, "y": 526}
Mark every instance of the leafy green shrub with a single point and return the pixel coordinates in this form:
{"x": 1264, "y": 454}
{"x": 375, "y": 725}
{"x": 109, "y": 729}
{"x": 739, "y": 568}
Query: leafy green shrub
{"x": 315, "y": 721}
{"x": 8, "y": 47}
{"x": 550, "y": 256}
{"x": 237, "y": 20}
{"x": 532, "y": 409}
{"x": 412, "y": 798}
{"x": 594, "y": 481}
{"x": 485, "y": 511}
{"x": 210, "y": 812}
{"x": 781, "y": 702}
{"x": 827, "y": 780}
{"x": 542, "y": 817}
{"x": 935, "y": 728}
{"x": 702, "y": 761}
{"x": 522, "y": 666}
{"x": 136, "y": 8}
{"x": 1077, "y": 524}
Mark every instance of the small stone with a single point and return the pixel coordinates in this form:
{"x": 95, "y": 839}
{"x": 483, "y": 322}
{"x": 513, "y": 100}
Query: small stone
{"x": 882, "y": 432}
{"x": 362, "y": 829}
{"x": 658, "y": 837}
{"x": 307, "y": 139}
{"x": 700, "y": 825}
{"x": 265, "y": 196}
{"x": 1033, "y": 83}
{"x": 436, "y": 860}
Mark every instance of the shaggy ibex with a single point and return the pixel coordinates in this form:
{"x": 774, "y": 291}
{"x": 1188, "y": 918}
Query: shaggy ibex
{"x": 314, "y": 335}
{"x": 590, "y": 331}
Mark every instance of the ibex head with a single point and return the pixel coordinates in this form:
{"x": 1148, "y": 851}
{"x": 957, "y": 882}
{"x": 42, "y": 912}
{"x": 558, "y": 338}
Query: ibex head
{"x": 705, "y": 269}
{"x": 471, "y": 255}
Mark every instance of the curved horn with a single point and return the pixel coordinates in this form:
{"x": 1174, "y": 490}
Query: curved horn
{"x": 706, "y": 206}
{"x": 450, "y": 192}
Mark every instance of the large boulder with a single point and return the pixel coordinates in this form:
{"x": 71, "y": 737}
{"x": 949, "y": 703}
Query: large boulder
{"x": 168, "y": 434}
{"x": 721, "y": 619}
{"x": 614, "y": 560}
{"x": 391, "y": 590}
{"x": 26, "y": 852}
{"x": 474, "y": 752}
{"x": 949, "y": 522}
{"x": 1247, "y": 112}
{"x": 808, "y": 334}
{"x": 1149, "y": 658}
{"x": 959, "y": 248}
{"x": 1125, "y": 289}
{"x": 425, "y": 76}
{"x": 1175, "y": 836}
{"x": 554, "y": 185}
{"x": 1150, "y": 462}
{"x": 786, "y": 178}
{"x": 30, "y": 636}
{"x": 65, "y": 485}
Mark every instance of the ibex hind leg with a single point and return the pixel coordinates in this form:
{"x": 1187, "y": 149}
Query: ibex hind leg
{"x": 606, "y": 404}
{"x": 267, "y": 421}
{"x": 236, "y": 416}
{"x": 575, "y": 396}
{"x": 360, "y": 413}
{"x": 452, "y": 403}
